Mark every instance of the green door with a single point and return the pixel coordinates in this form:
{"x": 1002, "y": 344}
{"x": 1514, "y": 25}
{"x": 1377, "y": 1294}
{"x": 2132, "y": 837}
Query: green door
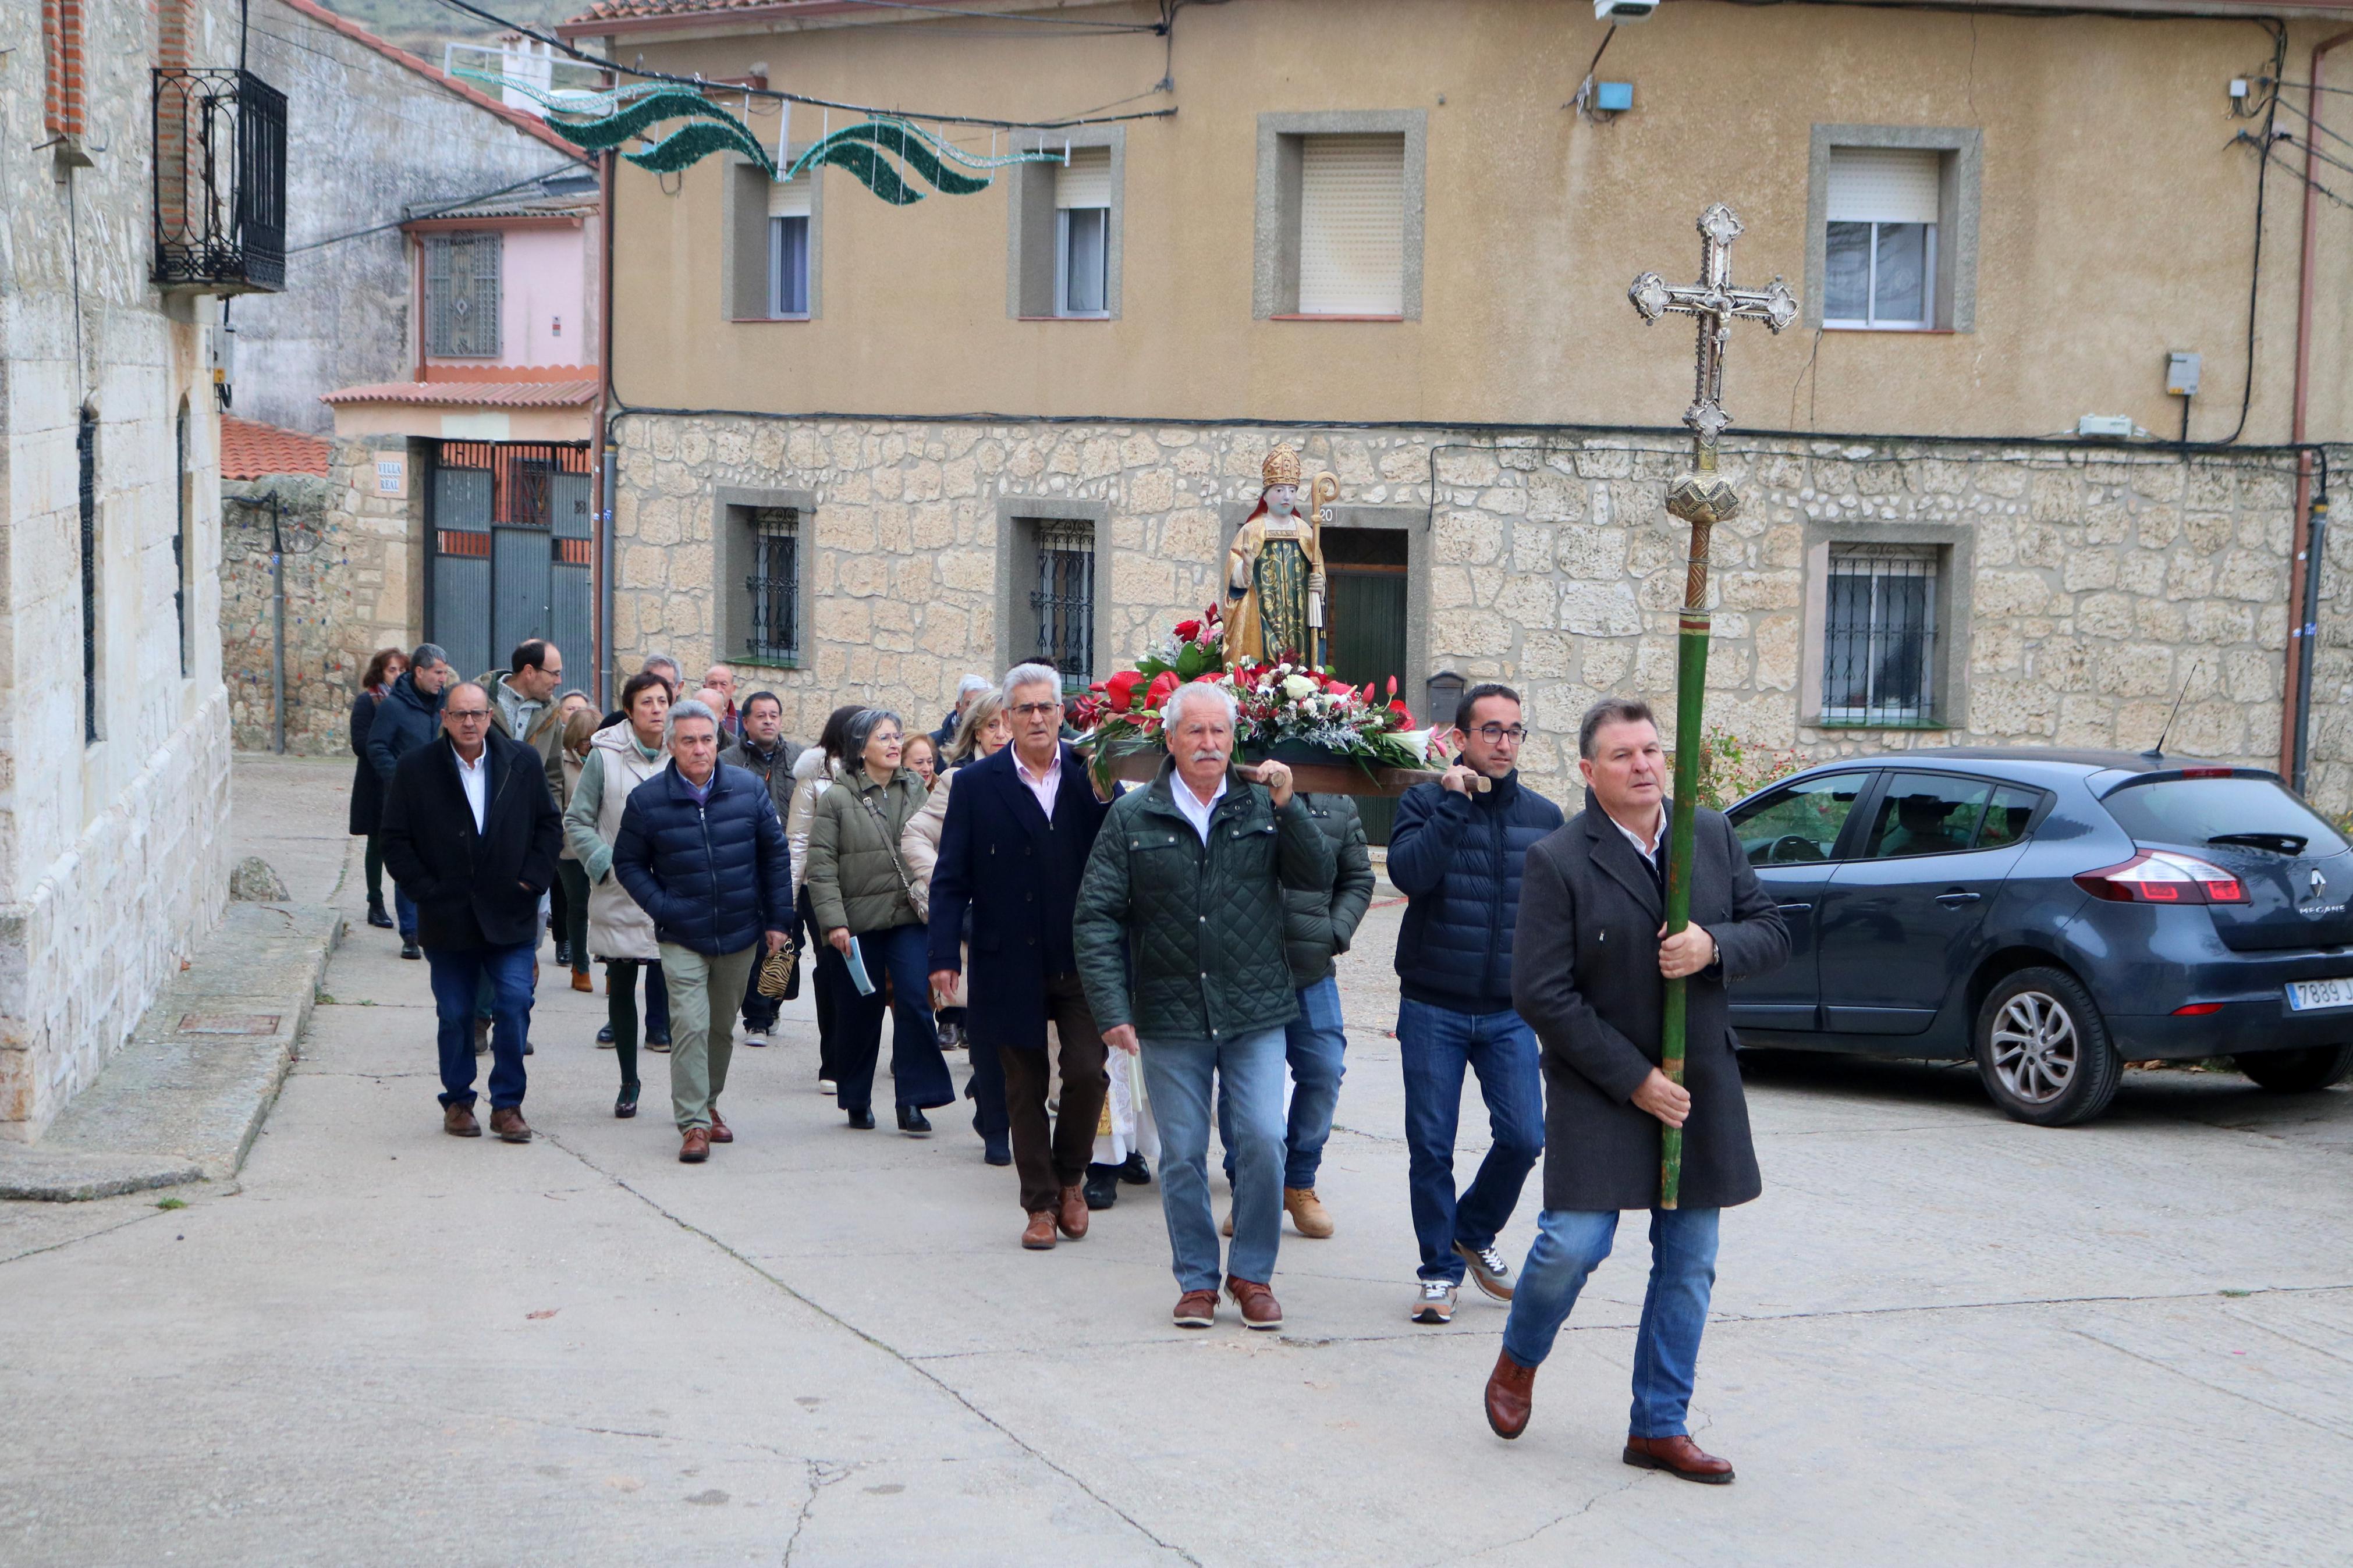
{"x": 1367, "y": 638}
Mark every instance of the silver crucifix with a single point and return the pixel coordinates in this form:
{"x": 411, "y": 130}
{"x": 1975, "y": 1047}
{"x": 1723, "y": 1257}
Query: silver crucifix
{"x": 1717, "y": 304}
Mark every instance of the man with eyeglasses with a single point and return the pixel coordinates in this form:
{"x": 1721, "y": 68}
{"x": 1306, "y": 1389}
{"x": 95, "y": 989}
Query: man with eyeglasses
{"x": 1456, "y": 853}
{"x": 1019, "y": 827}
{"x": 471, "y": 836}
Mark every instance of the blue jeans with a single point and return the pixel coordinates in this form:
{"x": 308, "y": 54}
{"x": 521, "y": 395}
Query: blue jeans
{"x": 457, "y": 972}
{"x": 404, "y": 914}
{"x": 1434, "y": 1044}
{"x": 1314, "y": 1046}
{"x": 1178, "y": 1076}
{"x": 1569, "y": 1243}
{"x": 919, "y": 1074}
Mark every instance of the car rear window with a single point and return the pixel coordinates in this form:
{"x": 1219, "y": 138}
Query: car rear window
{"x": 2239, "y": 811}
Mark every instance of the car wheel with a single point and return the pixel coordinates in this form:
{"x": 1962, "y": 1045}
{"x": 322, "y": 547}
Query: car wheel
{"x": 2298, "y": 1072}
{"x": 2043, "y": 1050}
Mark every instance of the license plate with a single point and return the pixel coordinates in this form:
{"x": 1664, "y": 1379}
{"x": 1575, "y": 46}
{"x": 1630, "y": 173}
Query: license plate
{"x": 2314, "y": 995}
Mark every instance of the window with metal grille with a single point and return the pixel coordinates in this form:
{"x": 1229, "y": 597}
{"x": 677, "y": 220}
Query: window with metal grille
{"x": 461, "y": 294}
{"x": 180, "y": 534}
{"x": 774, "y": 587}
{"x": 1064, "y": 598}
{"x": 86, "y": 454}
{"x": 1880, "y": 635}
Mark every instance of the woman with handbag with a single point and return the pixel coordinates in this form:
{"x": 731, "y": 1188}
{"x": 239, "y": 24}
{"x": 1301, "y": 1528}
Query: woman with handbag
{"x": 864, "y": 901}
{"x": 815, "y": 771}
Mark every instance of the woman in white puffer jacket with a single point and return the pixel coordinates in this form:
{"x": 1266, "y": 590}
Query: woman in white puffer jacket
{"x": 818, "y": 770}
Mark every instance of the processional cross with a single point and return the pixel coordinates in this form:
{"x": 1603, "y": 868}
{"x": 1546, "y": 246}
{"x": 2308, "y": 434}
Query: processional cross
{"x": 1702, "y": 497}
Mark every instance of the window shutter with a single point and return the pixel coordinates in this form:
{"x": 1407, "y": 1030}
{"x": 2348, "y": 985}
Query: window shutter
{"x": 788, "y": 198}
{"x": 1352, "y": 226}
{"x": 1885, "y": 184}
{"x": 487, "y": 248}
{"x": 437, "y": 293}
{"x": 1085, "y": 181}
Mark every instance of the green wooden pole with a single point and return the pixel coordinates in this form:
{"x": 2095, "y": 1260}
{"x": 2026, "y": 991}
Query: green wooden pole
{"x": 1691, "y": 701}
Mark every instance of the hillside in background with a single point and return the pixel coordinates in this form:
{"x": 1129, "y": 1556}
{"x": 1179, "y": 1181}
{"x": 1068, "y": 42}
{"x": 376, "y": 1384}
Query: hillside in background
{"x": 422, "y": 26}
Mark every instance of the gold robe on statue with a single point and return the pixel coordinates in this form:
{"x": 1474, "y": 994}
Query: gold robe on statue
{"x": 1266, "y": 588}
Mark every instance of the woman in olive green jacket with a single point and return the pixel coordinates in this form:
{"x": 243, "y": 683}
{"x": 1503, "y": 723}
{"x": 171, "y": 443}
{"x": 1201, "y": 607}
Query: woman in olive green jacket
{"x": 863, "y": 899}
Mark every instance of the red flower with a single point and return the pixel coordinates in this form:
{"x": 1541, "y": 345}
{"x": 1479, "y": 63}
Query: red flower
{"x": 1339, "y": 689}
{"x": 1158, "y": 692}
{"x": 1120, "y": 690}
{"x": 1399, "y": 708}
{"x": 1188, "y": 631}
{"x": 1392, "y": 686}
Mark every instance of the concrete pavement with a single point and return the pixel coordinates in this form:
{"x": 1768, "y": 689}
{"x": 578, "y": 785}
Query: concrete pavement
{"x": 1940, "y": 1337}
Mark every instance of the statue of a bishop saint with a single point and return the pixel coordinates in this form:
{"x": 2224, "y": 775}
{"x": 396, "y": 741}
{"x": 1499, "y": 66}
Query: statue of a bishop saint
{"x": 1275, "y": 586}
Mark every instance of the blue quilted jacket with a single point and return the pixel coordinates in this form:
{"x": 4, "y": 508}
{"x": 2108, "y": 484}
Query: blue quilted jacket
{"x": 713, "y": 873}
{"x": 1456, "y": 858}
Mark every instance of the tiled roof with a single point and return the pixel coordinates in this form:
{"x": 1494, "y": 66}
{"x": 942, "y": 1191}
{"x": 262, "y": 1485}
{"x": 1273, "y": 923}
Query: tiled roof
{"x": 626, "y": 10}
{"x": 472, "y": 394}
{"x": 516, "y": 205}
{"x": 248, "y": 451}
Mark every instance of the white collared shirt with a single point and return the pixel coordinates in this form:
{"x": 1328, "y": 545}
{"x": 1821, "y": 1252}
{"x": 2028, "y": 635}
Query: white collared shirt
{"x": 1647, "y": 851}
{"x": 1045, "y": 786}
{"x": 475, "y": 778}
{"x": 1197, "y": 810}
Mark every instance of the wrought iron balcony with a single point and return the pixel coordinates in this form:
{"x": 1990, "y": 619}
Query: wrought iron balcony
{"x": 220, "y": 182}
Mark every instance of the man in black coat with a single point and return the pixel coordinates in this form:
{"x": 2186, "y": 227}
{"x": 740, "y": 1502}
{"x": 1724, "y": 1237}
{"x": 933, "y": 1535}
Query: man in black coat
{"x": 408, "y": 718}
{"x": 1019, "y": 827}
{"x": 1588, "y": 974}
{"x": 470, "y": 837}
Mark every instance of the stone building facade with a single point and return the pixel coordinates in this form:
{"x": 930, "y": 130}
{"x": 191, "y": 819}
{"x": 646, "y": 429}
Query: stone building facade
{"x": 2083, "y": 589}
{"x": 114, "y": 744}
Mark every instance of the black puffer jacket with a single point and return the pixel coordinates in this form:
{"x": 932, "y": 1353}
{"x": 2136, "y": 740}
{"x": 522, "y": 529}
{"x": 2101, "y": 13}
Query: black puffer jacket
{"x": 1318, "y": 927}
{"x": 713, "y": 873}
{"x": 1456, "y": 858}
{"x": 405, "y": 719}
{"x": 1202, "y": 922}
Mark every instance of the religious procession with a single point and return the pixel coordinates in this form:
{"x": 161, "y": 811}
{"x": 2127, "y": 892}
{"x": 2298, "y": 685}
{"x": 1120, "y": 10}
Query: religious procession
{"x": 992, "y": 782}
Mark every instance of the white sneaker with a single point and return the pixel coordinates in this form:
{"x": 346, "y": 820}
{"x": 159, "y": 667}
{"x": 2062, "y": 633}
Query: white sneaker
{"x": 755, "y": 1036}
{"x": 826, "y": 1086}
{"x": 1433, "y": 1302}
{"x": 1487, "y": 1271}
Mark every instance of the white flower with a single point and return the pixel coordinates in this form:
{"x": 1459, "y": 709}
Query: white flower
{"x": 1298, "y": 688}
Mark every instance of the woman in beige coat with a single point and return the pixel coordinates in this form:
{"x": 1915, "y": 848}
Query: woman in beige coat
{"x": 621, "y": 758}
{"x": 817, "y": 771}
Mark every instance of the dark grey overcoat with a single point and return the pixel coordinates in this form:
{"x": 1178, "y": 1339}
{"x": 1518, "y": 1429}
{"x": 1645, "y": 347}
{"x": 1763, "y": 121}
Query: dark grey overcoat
{"x": 1584, "y": 975}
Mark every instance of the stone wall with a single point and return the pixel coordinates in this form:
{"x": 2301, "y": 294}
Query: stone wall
{"x": 114, "y": 852}
{"x": 2100, "y": 584}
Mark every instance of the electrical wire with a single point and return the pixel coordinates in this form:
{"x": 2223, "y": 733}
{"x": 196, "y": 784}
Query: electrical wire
{"x": 2294, "y": 141}
{"x": 452, "y": 206}
{"x": 2302, "y": 178}
{"x": 732, "y": 89}
{"x": 2317, "y": 125}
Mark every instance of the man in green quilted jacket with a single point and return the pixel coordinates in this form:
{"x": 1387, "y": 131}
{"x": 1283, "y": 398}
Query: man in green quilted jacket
{"x": 1180, "y": 943}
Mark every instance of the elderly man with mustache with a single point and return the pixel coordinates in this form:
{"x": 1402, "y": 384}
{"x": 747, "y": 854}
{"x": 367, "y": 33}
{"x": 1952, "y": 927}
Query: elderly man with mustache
{"x": 1183, "y": 892}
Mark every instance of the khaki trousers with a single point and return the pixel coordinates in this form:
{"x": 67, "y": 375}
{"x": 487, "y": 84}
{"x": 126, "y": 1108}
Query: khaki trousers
{"x": 704, "y": 993}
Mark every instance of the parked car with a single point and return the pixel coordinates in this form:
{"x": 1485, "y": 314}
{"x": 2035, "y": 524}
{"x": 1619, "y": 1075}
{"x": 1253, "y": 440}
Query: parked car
{"x": 2055, "y": 914}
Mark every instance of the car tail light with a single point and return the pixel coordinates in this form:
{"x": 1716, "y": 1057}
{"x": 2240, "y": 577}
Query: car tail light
{"x": 2205, "y": 773}
{"x": 2197, "y": 1009}
{"x": 2164, "y": 877}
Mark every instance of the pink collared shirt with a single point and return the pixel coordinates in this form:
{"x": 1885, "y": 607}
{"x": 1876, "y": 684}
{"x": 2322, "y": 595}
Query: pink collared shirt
{"x": 1046, "y": 786}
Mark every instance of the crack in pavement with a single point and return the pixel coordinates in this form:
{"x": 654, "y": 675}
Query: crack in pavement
{"x": 820, "y": 1474}
{"x": 886, "y": 1348}
{"x": 1596, "y": 1501}
{"x": 153, "y": 1213}
{"x": 2212, "y": 1386}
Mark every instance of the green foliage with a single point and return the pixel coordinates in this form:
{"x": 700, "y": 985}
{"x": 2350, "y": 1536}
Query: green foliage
{"x": 170, "y": 1204}
{"x": 1731, "y": 768}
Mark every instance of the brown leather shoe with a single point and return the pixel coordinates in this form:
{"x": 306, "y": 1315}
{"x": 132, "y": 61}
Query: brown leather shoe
{"x": 1511, "y": 1396}
{"x": 582, "y": 983}
{"x": 1260, "y": 1308}
{"x": 719, "y": 1129}
{"x": 457, "y": 1121}
{"x": 1195, "y": 1310}
{"x": 1307, "y": 1212}
{"x": 509, "y": 1125}
{"x": 1070, "y": 1214}
{"x": 1037, "y": 1236}
{"x": 1678, "y": 1456}
{"x": 696, "y": 1146}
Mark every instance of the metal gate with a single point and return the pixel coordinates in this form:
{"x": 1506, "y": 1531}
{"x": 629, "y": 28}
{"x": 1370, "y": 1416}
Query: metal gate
{"x": 510, "y": 552}
{"x": 1367, "y": 571}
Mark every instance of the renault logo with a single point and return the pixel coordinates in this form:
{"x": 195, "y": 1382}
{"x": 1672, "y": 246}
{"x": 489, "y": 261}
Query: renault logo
{"x": 2319, "y": 883}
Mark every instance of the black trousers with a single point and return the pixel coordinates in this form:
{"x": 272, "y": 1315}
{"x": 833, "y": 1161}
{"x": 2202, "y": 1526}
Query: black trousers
{"x": 1049, "y": 1160}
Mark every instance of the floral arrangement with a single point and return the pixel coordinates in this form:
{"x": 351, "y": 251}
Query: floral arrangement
{"x": 1293, "y": 706}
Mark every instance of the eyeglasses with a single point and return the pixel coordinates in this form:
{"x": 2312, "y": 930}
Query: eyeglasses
{"x": 1495, "y": 734}
{"x": 464, "y": 715}
{"x": 1034, "y": 710}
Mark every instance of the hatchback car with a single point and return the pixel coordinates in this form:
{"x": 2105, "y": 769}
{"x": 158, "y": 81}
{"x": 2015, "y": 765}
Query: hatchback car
{"x": 2053, "y": 914}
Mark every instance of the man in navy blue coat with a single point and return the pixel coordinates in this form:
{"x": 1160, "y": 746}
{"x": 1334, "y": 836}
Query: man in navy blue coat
{"x": 1456, "y": 853}
{"x": 1019, "y": 827}
{"x": 701, "y": 851}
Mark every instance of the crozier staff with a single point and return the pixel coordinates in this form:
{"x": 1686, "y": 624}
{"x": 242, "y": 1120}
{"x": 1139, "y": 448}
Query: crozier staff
{"x": 1589, "y": 968}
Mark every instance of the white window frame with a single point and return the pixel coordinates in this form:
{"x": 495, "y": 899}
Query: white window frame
{"x": 1870, "y": 320}
{"x": 1062, "y": 264}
